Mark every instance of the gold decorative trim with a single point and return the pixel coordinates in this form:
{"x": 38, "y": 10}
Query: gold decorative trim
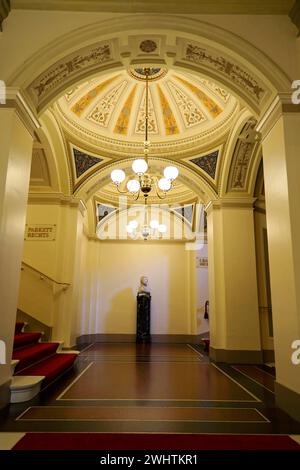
{"x": 121, "y": 126}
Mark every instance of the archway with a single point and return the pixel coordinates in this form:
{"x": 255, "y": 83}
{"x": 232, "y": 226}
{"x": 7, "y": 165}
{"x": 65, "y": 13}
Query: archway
{"x": 213, "y": 54}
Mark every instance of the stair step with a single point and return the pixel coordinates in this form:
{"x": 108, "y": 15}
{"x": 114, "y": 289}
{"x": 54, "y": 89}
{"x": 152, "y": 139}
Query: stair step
{"x": 19, "y": 326}
{"x": 24, "y": 388}
{"x": 13, "y": 365}
{"x": 23, "y": 339}
{"x": 51, "y": 367}
{"x": 28, "y": 355}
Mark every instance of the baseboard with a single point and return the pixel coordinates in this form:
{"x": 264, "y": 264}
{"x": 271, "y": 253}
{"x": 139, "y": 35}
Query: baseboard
{"x": 288, "y": 400}
{"x": 4, "y": 394}
{"x": 204, "y": 335}
{"x": 236, "y": 356}
{"x": 130, "y": 338}
{"x": 268, "y": 355}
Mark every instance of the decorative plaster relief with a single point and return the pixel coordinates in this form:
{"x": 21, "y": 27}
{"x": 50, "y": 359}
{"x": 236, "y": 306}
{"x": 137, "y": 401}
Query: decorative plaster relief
{"x": 241, "y": 77}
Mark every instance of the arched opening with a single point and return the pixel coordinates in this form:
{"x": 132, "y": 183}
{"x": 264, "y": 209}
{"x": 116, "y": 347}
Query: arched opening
{"x": 91, "y": 105}
{"x": 209, "y": 97}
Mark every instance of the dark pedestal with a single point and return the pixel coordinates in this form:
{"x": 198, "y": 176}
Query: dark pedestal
{"x": 143, "y": 318}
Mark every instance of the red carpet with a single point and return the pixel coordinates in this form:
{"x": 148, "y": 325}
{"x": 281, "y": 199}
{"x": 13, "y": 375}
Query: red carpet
{"x": 23, "y": 339}
{"x": 33, "y": 353}
{"x": 51, "y": 367}
{"x": 37, "y": 358}
{"x": 100, "y": 441}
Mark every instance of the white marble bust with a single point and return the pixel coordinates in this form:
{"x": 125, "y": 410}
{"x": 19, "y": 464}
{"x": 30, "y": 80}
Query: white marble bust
{"x": 143, "y": 289}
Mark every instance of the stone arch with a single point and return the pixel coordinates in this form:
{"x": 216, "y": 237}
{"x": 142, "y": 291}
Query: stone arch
{"x": 178, "y": 227}
{"x": 190, "y": 177}
{"x": 183, "y": 43}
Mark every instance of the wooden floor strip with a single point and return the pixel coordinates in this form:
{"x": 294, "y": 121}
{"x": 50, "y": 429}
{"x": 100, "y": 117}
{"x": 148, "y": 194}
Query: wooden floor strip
{"x": 169, "y": 381}
{"x": 101, "y": 413}
{"x": 257, "y": 375}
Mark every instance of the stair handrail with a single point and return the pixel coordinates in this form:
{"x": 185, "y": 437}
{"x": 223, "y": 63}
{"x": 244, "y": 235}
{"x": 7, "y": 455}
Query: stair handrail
{"x": 44, "y": 276}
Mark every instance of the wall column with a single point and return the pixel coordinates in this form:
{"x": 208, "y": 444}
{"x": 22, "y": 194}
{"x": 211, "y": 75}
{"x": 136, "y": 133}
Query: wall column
{"x": 234, "y": 317}
{"x": 70, "y": 235}
{"x": 15, "y": 163}
{"x": 281, "y": 156}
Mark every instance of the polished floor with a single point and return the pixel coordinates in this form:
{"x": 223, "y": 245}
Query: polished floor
{"x": 153, "y": 388}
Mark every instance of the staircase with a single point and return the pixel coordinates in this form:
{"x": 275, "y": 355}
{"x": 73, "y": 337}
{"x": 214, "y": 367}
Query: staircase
{"x": 35, "y": 365}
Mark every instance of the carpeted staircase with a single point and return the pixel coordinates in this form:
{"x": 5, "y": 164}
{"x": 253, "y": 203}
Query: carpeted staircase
{"x": 36, "y": 364}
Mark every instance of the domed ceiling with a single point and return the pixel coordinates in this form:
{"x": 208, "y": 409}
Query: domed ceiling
{"x": 110, "y": 110}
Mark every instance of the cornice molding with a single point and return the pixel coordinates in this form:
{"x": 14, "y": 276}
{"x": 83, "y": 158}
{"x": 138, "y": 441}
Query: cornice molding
{"x": 255, "y": 7}
{"x": 16, "y": 100}
{"x": 294, "y": 14}
{"x": 4, "y": 11}
{"x": 282, "y": 104}
{"x": 56, "y": 198}
{"x": 230, "y": 202}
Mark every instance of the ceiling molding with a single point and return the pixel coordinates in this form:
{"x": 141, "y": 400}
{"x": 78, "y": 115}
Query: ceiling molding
{"x": 255, "y": 7}
{"x": 281, "y": 105}
{"x": 123, "y": 50}
{"x": 294, "y": 14}
{"x": 4, "y": 11}
{"x": 55, "y": 198}
{"x": 16, "y": 100}
{"x": 230, "y": 202}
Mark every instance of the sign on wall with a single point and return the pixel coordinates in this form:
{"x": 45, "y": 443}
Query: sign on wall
{"x": 40, "y": 232}
{"x": 201, "y": 262}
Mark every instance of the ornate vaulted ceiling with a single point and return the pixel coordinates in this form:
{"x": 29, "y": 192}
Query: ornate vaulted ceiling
{"x": 109, "y": 112}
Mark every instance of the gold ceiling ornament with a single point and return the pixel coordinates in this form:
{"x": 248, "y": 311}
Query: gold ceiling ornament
{"x": 142, "y": 182}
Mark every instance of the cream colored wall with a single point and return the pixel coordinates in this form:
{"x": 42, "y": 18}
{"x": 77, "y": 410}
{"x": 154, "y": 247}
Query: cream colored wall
{"x": 15, "y": 151}
{"x": 275, "y": 35}
{"x": 104, "y": 277}
{"x": 234, "y": 319}
{"x": 110, "y": 279}
{"x": 36, "y": 296}
{"x": 260, "y": 224}
{"x": 46, "y": 301}
{"x": 25, "y": 32}
{"x": 281, "y": 174}
{"x": 68, "y": 262}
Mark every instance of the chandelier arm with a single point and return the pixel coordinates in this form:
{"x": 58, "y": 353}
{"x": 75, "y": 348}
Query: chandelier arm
{"x": 120, "y": 191}
{"x": 138, "y": 195}
{"x": 128, "y": 192}
{"x": 159, "y": 196}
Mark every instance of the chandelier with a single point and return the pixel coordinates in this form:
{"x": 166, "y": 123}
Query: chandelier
{"x": 142, "y": 182}
{"x": 148, "y": 229}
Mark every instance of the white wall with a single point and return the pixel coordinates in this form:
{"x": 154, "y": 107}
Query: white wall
{"x": 202, "y": 294}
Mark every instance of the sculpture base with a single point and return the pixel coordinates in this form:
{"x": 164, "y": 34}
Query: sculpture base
{"x": 146, "y": 339}
{"x": 143, "y": 318}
